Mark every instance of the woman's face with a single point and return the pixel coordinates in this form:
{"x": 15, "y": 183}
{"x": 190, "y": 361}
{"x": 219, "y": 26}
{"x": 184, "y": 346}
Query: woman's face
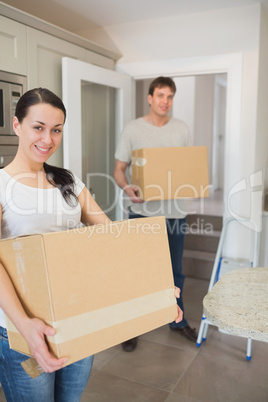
{"x": 40, "y": 132}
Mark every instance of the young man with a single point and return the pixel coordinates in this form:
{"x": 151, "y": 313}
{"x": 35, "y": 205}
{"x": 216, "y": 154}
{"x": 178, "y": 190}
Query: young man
{"x": 157, "y": 129}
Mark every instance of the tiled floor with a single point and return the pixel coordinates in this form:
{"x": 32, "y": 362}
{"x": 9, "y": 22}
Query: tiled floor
{"x": 166, "y": 367}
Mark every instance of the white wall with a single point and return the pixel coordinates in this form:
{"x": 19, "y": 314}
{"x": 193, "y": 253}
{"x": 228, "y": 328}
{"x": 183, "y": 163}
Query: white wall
{"x": 261, "y": 158}
{"x": 193, "y": 104}
{"x": 189, "y": 35}
{"x": 142, "y": 105}
{"x": 204, "y": 115}
{"x": 261, "y": 154}
{"x": 184, "y": 103}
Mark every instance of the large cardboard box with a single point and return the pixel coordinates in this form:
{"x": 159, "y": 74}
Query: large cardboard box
{"x": 171, "y": 173}
{"x": 98, "y": 286}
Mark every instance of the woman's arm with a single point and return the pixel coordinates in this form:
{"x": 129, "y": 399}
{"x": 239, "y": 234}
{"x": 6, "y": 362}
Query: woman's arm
{"x": 33, "y": 330}
{"x": 91, "y": 213}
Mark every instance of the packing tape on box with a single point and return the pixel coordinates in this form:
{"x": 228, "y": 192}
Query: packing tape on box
{"x": 138, "y": 161}
{"x": 97, "y": 320}
{"x": 32, "y": 368}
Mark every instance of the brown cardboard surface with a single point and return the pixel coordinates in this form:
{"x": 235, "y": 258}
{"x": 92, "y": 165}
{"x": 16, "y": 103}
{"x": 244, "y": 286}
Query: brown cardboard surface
{"x": 32, "y": 367}
{"x": 98, "y": 286}
{"x": 171, "y": 173}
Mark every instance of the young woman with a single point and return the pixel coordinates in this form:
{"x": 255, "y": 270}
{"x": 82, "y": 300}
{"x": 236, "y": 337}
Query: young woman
{"x": 37, "y": 198}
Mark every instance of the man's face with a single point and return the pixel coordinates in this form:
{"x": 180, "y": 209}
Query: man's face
{"x": 161, "y": 101}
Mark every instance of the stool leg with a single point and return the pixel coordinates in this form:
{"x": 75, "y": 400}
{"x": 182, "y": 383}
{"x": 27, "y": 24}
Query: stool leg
{"x": 249, "y": 344}
{"x": 200, "y": 332}
{"x": 205, "y": 332}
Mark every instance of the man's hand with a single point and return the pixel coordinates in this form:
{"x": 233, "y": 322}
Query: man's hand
{"x": 180, "y": 315}
{"x": 133, "y": 194}
{"x": 177, "y": 292}
{"x": 180, "y": 312}
{"x": 121, "y": 180}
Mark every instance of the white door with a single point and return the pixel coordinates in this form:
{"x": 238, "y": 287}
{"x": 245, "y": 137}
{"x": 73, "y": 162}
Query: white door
{"x": 98, "y": 103}
{"x": 219, "y": 127}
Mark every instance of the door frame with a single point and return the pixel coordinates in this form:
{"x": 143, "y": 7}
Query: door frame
{"x": 218, "y": 143}
{"x": 73, "y": 73}
{"x": 232, "y": 65}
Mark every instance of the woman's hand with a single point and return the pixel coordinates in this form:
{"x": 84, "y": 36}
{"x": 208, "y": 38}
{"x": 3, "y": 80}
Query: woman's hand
{"x": 34, "y": 332}
{"x": 180, "y": 312}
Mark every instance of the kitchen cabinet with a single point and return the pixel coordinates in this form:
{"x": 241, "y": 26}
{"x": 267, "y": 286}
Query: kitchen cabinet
{"x": 99, "y": 60}
{"x": 44, "y": 68}
{"x": 13, "y": 45}
{"x": 29, "y": 48}
{"x": 45, "y": 53}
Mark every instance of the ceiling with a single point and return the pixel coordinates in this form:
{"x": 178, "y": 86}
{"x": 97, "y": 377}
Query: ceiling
{"x": 88, "y": 14}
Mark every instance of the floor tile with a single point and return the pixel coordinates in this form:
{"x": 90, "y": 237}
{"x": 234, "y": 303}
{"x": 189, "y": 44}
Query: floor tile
{"x": 104, "y": 387}
{"x": 221, "y": 344}
{"x": 193, "y": 293}
{"x": 151, "y": 364}
{"x": 104, "y": 357}
{"x": 165, "y": 336}
{"x": 220, "y": 379}
{"x": 180, "y": 398}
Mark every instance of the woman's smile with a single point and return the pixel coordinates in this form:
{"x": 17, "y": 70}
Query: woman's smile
{"x": 43, "y": 150}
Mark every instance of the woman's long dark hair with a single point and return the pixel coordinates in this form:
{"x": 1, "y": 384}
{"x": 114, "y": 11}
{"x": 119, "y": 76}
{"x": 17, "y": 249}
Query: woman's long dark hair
{"x": 61, "y": 178}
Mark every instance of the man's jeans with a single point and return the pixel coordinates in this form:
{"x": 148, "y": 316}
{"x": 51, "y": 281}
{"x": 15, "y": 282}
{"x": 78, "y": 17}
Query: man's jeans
{"x": 176, "y": 229}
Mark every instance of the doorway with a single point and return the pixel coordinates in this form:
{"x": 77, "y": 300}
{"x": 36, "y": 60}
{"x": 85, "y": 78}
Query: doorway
{"x": 200, "y": 101}
{"x": 100, "y": 101}
{"x": 98, "y": 143}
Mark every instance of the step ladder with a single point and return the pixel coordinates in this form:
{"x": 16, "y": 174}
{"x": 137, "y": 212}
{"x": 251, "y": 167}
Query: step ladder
{"x": 221, "y": 266}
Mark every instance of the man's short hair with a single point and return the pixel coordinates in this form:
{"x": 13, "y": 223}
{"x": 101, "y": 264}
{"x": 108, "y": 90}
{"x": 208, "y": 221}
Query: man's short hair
{"x": 161, "y": 82}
